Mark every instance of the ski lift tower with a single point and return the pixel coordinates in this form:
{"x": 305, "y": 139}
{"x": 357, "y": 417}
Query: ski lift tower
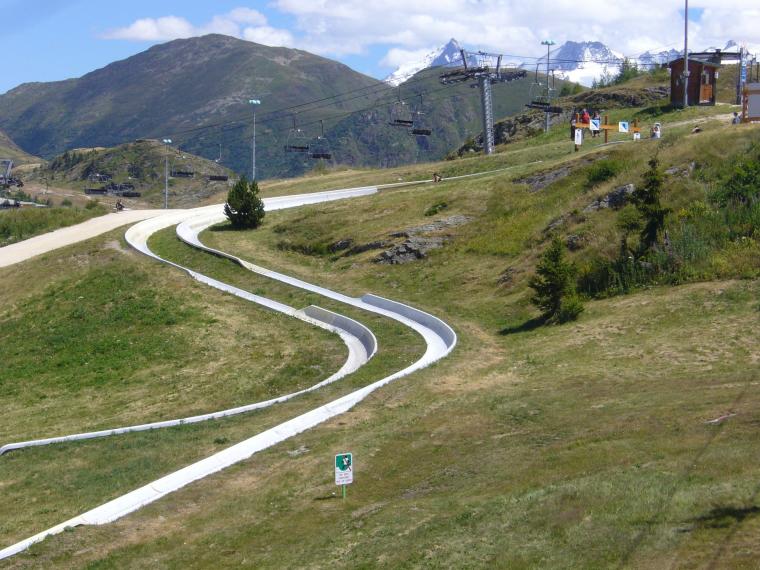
{"x": 485, "y": 75}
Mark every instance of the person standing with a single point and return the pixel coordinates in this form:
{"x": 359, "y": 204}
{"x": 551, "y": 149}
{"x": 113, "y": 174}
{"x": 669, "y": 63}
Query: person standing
{"x": 595, "y": 131}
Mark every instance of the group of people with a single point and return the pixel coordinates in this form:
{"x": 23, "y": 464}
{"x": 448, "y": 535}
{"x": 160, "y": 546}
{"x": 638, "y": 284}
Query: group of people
{"x": 585, "y": 119}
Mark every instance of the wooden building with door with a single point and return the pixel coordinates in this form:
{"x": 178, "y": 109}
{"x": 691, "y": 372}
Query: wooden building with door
{"x": 703, "y": 79}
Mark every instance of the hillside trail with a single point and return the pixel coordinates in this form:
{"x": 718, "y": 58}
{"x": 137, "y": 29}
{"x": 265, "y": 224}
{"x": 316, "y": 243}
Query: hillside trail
{"x": 698, "y": 120}
{"x": 32, "y": 247}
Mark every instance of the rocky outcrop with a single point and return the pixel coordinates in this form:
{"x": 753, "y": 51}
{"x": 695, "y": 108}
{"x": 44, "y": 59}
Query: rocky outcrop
{"x": 416, "y": 246}
{"x": 410, "y": 250}
{"x": 438, "y": 225}
{"x": 614, "y": 200}
{"x": 623, "y": 97}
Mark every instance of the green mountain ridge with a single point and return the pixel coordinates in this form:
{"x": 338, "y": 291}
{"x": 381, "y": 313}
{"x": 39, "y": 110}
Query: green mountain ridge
{"x": 196, "y": 92}
{"x": 141, "y": 163}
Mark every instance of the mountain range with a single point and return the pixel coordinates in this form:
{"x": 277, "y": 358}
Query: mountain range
{"x": 579, "y": 62}
{"x": 196, "y": 92}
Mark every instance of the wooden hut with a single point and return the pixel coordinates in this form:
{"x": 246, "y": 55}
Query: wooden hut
{"x": 703, "y": 80}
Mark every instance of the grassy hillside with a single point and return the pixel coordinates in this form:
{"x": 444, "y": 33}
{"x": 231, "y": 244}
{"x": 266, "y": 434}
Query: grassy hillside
{"x": 201, "y": 102}
{"x": 587, "y": 445}
{"x": 17, "y": 224}
{"x": 203, "y": 81}
{"x": 9, "y": 149}
{"x": 141, "y": 163}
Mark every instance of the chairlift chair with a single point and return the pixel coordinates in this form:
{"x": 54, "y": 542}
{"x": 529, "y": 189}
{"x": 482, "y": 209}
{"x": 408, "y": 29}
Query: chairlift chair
{"x": 298, "y": 141}
{"x": 320, "y": 146}
{"x": 401, "y": 114}
{"x": 420, "y": 126}
{"x": 537, "y": 94}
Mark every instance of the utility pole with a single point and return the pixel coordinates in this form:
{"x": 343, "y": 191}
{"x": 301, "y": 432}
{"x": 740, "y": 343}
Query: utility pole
{"x": 548, "y": 44}
{"x": 485, "y": 77}
{"x": 686, "y": 55}
{"x": 167, "y": 142}
{"x": 253, "y": 102}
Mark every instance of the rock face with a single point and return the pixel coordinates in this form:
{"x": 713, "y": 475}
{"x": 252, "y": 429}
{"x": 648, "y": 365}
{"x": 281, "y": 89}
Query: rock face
{"x": 362, "y": 247}
{"x": 623, "y": 97}
{"x": 415, "y": 246}
{"x": 615, "y": 199}
{"x": 410, "y": 250}
{"x": 438, "y": 225}
{"x": 543, "y": 179}
{"x": 575, "y": 242}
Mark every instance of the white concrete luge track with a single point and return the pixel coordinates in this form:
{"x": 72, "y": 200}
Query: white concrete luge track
{"x": 360, "y": 341}
{"x": 439, "y": 337}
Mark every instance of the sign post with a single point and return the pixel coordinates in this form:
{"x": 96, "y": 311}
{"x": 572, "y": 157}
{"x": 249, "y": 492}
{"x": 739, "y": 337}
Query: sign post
{"x": 344, "y": 470}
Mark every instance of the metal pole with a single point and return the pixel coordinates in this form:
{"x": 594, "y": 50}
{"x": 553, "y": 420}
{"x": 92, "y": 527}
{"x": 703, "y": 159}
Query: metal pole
{"x": 253, "y": 102}
{"x": 167, "y": 142}
{"x": 686, "y": 55}
{"x": 548, "y": 100}
{"x": 548, "y": 44}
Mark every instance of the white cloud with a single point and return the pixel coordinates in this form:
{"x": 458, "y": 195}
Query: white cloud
{"x": 153, "y": 30}
{"x": 512, "y": 26}
{"x": 248, "y": 16}
{"x": 406, "y": 29}
{"x": 242, "y": 22}
{"x": 268, "y": 36}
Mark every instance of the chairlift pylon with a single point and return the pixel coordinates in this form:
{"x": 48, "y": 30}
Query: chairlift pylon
{"x": 320, "y": 146}
{"x": 298, "y": 141}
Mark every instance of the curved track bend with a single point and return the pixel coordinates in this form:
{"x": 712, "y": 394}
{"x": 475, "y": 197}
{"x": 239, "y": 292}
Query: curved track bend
{"x": 439, "y": 337}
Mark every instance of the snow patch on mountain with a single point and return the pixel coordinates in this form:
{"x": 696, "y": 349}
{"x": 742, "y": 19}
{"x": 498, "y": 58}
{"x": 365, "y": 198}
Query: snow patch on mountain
{"x": 445, "y": 56}
{"x": 579, "y": 62}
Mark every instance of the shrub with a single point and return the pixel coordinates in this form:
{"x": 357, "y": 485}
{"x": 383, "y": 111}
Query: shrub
{"x": 66, "y": 203}
{"x": 554, "y": 286}
{"x": 603, "y": 277}
{"x": 435, "y": 208}
{"x": 603, "y": 170}
{"x": 244, "y": 208}
{"x": 741, "y": 184}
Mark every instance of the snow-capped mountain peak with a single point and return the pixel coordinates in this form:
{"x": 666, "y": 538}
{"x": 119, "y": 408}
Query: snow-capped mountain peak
{"x": 582, "y": 62}
{"x": 446, "y": 55}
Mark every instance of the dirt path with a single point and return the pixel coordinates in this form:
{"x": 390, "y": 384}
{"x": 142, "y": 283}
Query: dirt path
{"x": 23, "y": 250}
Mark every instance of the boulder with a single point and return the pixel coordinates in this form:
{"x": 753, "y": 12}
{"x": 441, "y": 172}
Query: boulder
{"x": 615, "y": 199}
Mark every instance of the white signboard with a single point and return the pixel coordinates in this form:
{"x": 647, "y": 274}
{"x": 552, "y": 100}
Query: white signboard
{"x": 578, "y": 137}
{"x": 344, "y": 469}
{"x": 623, "y": 127}
{"x": 753, "y": 104}
{"x": 596, "y": 125}
{"x": 637, "y": 136}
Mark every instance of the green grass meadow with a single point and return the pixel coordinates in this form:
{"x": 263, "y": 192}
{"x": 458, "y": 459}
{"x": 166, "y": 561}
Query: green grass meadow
{"x": 626, "y": 439}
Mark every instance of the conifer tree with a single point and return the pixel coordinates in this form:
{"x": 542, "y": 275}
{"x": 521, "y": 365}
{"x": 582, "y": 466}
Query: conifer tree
{"x": 244, "y": 209}
{"x": 554, "y": 286}
{"x": 647, "y": 201}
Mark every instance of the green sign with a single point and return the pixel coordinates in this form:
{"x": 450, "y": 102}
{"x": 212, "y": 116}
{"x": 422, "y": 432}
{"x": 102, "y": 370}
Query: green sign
{"x": 344, "y": 469}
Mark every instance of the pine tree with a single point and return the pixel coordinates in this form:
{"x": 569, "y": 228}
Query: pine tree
{"x": 647, "y": 202}
{"x": 554, "y": 286}
{"x": 244, "y": 208}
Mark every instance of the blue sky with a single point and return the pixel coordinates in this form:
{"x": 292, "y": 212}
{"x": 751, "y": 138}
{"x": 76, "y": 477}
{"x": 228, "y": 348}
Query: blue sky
{"x": 57, "y": 39}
